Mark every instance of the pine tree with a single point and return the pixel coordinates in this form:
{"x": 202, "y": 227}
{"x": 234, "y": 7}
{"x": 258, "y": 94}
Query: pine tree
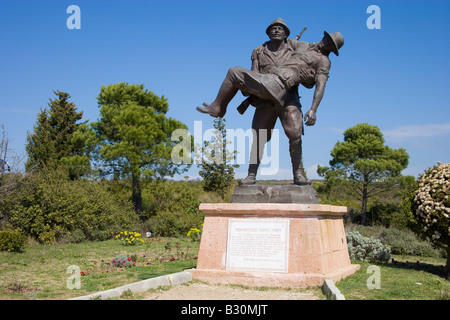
{"x": 50, "y": 145}
{"x": 364, "y": 161}
{"x": 134, "y": 136}
{"x": 216, "y": 166}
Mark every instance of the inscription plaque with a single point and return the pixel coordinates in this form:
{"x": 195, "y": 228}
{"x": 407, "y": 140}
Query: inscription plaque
{"x": 258, "y": 245}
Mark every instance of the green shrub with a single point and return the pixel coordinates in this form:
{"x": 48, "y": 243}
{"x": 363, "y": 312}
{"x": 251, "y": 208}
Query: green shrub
{"x": 47, "y": 237}
{"x": 171, "y": 208}
{"x": 401, "y": 241}
{"x": 105, "y": 233}
{"x": 366, "y": 248}
{"x": 405, "y": 242}
{"x": 383, "y": 212}
{"x": 169, "y": 223}
{"x": 77, "y": 236}
{"x": 12, "y": 241}
{"x": 48, "y": 207}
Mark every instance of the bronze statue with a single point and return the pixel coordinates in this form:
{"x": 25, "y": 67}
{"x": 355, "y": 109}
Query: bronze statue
{"x": 278, "y": 67}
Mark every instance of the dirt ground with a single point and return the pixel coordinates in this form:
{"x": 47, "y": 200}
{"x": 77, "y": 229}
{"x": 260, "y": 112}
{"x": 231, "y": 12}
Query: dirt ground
{"x": 203, "y": 291}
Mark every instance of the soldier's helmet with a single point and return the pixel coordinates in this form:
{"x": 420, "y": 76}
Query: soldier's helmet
{"x": 337, "y": 39}
{"x": 280, "y": 22}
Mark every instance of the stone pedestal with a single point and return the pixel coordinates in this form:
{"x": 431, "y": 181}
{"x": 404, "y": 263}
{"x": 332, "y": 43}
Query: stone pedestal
{"x": 258, "y": 193}
{"x": 272, "y": 244}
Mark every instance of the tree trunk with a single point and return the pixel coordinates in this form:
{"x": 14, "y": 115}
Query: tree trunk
{"x": 447, "y": 265}
{"x": 364, "y": 204}
{"x": 364, "y": 212}
{"x": 137, "y": 195}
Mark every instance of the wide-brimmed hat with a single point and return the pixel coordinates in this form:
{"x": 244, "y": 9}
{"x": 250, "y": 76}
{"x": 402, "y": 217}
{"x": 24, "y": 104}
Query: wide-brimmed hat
{"x": 337, "y": 39}
{"x": 281, "y": 22}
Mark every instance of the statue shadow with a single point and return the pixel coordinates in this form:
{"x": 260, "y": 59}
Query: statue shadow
{"x": 437, "y": 270}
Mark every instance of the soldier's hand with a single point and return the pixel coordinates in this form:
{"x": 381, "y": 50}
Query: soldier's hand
{"x": 310, "y": 118}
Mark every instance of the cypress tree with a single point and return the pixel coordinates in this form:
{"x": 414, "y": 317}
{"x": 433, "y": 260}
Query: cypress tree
{"x": 52, "y": 135}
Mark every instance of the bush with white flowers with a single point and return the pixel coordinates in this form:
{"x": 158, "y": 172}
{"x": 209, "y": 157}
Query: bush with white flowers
{"x": 431, "y": 206}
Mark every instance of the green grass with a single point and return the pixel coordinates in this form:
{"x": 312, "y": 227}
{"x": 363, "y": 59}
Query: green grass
{"x": 404, "y": 280}
{"x": 40, "y": 272}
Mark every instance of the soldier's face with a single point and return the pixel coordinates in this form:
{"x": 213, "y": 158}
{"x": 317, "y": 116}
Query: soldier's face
{"x": 277, "y": 33}
{"x": 326, "y": 43}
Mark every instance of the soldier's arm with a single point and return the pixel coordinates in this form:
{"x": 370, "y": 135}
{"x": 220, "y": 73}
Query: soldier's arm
{"x": 299, "y": 46}
{"x": 321, "y": 80}
{"x": 255, "y": 62}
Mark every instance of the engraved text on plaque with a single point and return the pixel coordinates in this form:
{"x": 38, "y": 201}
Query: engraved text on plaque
{"x": 258, "y": 245}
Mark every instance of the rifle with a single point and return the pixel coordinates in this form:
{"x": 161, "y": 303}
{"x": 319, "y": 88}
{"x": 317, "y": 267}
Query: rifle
{"x": 300, "y": 34}
{"x": 246, "y": 103}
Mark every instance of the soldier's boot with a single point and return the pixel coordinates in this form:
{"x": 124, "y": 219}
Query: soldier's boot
{"x": 251, "y": 178}
{"x": 218, "y": 107}
{"x": 295, "y": 150}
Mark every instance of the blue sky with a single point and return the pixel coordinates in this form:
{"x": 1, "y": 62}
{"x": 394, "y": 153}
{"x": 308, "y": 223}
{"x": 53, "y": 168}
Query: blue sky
{"x": 395, "y": 77}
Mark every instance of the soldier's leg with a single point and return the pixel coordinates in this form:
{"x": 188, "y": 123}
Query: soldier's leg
{"x": 235, "y": 80}
{"x": 226, "y": 93}
{"x": 263, "y": 123}
{"x": 292, "y": 121}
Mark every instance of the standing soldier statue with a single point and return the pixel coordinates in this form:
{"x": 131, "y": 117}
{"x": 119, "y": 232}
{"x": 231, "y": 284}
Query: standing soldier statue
{"x": 278, "y": 67}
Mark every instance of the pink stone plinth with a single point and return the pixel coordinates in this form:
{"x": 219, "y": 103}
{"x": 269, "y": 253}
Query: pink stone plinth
{"x": 317, "y": 244}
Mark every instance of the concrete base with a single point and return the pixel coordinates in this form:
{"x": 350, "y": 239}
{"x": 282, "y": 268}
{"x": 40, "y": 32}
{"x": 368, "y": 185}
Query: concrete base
{"x": 317, "y": 245}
